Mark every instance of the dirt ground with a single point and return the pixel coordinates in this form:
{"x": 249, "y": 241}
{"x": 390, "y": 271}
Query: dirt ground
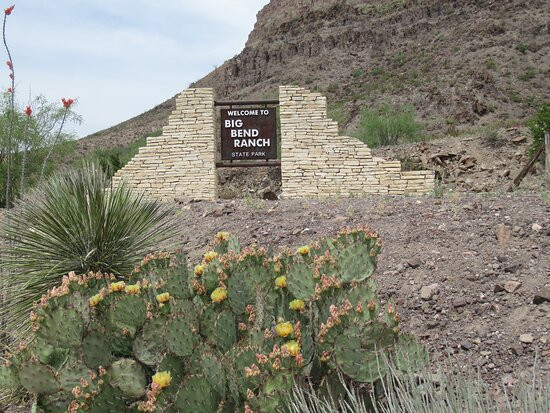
{"x": 464, "y": 270}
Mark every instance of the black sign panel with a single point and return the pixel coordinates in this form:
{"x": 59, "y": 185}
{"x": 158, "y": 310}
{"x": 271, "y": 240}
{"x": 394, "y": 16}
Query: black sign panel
{"x": 249, "y": 134}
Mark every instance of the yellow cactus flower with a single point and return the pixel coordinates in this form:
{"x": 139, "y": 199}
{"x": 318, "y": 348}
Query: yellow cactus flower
{"x": 163, "y": 298}
{"x": 297, "y": 305}
{"x": 277, "y": 267}
{"x": 95, "y": 300}
{"x": 132, "y": 289}
{"x": 304, "y": 250}
{"x": 293, "y": 347}
{"x": 119, "y": 286}
{"x": 280, "y": 282}
{"x": 210, "y": 256}
{"x": 162, "y": 379}
{"x": 284, "y": 329}
{"x": 199, "y": 270}
{"x": 219, "y": 294}
{"x": 223, "y": 236}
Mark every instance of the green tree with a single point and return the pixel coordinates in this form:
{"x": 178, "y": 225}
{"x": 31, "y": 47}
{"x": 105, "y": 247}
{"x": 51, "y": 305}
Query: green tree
{"x": 538, "y": 125}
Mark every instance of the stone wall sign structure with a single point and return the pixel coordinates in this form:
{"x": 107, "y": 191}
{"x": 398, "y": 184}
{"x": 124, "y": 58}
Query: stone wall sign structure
{"x": 315, "y": 161}
{"x": 182, "y": 161}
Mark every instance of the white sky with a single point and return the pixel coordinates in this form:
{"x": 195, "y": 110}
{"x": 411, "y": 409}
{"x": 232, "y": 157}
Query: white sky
{"x": 120, "y": 58}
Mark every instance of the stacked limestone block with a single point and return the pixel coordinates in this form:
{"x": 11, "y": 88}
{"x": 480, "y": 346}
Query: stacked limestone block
{"x": 180, "y": 162}
{"x": 316, "y": 162}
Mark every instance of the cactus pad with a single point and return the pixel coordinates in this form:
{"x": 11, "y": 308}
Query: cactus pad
{"x": 409, "y": 354}
{"x": 8, "y": 377}
{"x": 214, "y": 373}
{"x": 177, "y": 282}
{"x": 300, "y": 281}
{"x": 96, "y": 350}
{"x": 196, "y": 395}
{"x": 71, "y": 373}
{"x": 360, "y": 355}
{"x": 180, "y": 339}
{"x": 355, "y": 263}
{"x": 62, "y": 327}
{"x": 225, "y": 331}
{"x": 129, "y": 377}
{"x": 54, "y": 403}
{"x": 150, "y": 344}
{"x": 126, "y": 312}
{"x": 109, "y": 400}
{"x": 38, "y": 378}
{"x": 240, "y": 292}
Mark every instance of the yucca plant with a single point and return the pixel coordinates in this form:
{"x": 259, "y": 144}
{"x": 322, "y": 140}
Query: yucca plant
{"x": 75, "y": 222}
{"x": 414, "y": 391}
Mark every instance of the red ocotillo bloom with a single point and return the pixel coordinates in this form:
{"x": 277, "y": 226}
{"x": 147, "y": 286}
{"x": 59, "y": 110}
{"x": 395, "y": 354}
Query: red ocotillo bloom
{"x": 11, "y": 76}
{"x": 10, "y": 90}
{"x": 10, "y": 64}
{"x": 67, "y": 102}
{"x": 28, "y": 111}
{"x": 9, "y": 10}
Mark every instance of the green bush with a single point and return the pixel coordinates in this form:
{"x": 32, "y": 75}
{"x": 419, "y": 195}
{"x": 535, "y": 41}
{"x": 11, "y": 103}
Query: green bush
{"x": 539, "y": 124}
{"x": 74, "y": 223}
{"x": 528, "y": 75}
{"x": 236, "y": 333}
{"x": 111, "y": 160}
{"x": 521, "y": 47}
{"x": 389, "y": 125}
{"x": 490, "y": 136}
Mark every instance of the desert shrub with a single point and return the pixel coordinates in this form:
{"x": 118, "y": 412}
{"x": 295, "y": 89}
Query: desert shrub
{"x": 411, "y": 164}
{"x": 339, "y": 113}
{"x": 389, "y": 125}
{"x": 528, "y": 75}
{"x": 538, "y": 125}
{"x": 521, "y": 47}
{"x": 414, "y": 391}
{"x": 236, "y": 332}
{"x": 378, "y": 71}
{"x": 111, "y": 160}
{"x": 490, "y": 136}
{"x": 75, "y": 222}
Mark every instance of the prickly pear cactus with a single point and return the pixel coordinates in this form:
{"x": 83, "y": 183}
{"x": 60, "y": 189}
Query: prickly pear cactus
{"x": 234, "y": 333}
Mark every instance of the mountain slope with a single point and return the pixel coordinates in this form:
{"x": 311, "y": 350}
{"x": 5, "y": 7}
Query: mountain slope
{"x": 460, "y": 64}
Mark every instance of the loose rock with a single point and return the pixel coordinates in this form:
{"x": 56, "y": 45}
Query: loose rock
{"x": 427, "y": 292}
{"x": 503, "y": 234}
{"x": 512, "y": 286}
{"x": 536, "y": 227}
{"x": 414, "y": 262}
{"x": 526, "y": 338}
{"x": 541, "y": 296}
{"x": 459, "y": 302}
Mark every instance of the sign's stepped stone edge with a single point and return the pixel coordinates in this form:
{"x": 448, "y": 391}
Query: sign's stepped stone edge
{"x": 182, "y": 161}
{"x": 317, "y": 162}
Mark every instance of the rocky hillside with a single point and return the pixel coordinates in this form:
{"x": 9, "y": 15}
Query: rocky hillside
{"x": 459, "y": 63}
